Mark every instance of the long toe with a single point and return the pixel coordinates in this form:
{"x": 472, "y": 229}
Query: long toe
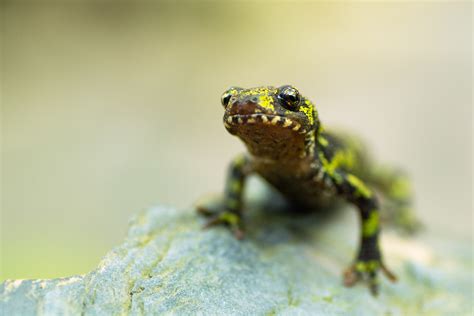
{"x": 351, "y": 276}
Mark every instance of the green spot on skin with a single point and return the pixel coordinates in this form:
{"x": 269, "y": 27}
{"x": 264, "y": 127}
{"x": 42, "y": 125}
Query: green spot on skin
{"x": 342, "y": 158}
{"x": 371, "y": 224}
{"x": 400, "y": 188}
{"x": 235, "y": 186}
{"x": 361, "y": 266}
{"x": 308, "y": 111}
{"x": 230, "y": 218}
{"x": 239, "y": 161}
{"x": 335, "y": 163}
{"x": 264, "y": 94}
{"x": 266, "y": 101}
{"x": 232, "y": 203}
{"x": 367, "y": 266}
{"x": 233, "y": 91}
{"x": 323, "y": 141}
{"x": 361, "y": 188}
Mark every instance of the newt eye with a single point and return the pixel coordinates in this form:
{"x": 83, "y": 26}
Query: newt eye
{"x": 290, "y": 97}
{"x": 225, "y": 98}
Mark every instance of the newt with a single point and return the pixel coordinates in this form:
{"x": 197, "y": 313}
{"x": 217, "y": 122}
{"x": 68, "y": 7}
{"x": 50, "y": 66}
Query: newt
{"x": 289, "y": 147}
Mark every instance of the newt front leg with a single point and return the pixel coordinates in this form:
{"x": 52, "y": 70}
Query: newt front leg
{"x": 231, "y": 214}
{"x": 292, "y": 151}
{"x": 369, "y": 259}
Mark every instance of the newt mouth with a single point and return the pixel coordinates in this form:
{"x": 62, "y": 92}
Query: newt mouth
{"x": 260, "y": 118}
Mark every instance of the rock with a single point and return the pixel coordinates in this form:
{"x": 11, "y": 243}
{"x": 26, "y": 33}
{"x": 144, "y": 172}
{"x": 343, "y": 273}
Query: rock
{"x": 288, "y": 264}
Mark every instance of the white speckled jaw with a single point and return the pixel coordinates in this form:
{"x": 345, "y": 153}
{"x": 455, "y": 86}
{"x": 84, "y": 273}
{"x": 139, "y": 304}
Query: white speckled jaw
{"x": 269, "y": 136}
{"x": 232, "y": 122}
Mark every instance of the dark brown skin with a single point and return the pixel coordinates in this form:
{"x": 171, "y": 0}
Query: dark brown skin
{"x": 288, "y": 147}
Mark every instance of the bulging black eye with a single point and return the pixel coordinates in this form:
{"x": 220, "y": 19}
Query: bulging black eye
{"x": 290, "y": 97}
{"x": 225, "y": 98}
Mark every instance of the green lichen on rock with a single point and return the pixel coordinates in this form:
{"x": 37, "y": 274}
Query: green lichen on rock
{"x": 287, "y": 265}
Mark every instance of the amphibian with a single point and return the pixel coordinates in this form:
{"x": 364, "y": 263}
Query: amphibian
{"x": 289, "y": 147}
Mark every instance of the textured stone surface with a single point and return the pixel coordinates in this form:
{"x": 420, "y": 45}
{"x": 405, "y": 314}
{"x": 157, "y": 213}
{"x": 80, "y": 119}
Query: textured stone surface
{"x": 288, "y": 264}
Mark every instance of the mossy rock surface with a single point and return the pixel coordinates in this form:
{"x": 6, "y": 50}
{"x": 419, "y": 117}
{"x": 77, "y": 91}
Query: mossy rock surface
{"x": 288, "y": 264}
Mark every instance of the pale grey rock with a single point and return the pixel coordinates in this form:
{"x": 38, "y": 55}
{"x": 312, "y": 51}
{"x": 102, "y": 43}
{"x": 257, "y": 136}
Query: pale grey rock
{"x": 289, "y": 264}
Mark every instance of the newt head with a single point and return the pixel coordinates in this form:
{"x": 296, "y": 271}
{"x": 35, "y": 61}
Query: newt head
{"x": 274, "y": 123}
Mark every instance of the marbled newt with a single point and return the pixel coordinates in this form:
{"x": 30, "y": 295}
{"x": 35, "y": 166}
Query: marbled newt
{"x": 288, "y": 146}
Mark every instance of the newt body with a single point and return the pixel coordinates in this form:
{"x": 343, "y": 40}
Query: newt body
{"x": 288, "y": 146}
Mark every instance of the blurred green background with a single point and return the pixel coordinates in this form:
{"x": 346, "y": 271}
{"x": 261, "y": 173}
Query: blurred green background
{"x": 111, "y": 107}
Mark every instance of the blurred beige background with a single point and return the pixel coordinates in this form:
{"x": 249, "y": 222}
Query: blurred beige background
{"x": 108, "y": 108}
